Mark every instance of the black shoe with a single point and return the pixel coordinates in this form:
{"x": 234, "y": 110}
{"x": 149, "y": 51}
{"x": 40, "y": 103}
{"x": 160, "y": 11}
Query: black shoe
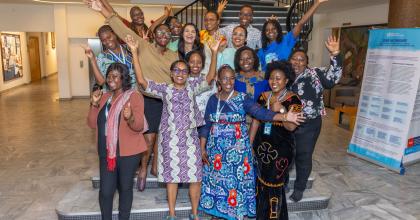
{"x": 296, "y": 196}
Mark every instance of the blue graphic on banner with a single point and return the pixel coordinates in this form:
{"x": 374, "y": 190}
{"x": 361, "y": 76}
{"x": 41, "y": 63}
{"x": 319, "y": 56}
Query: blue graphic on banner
{"x": 394, "y": 39}
{"x": 376, "y": 157}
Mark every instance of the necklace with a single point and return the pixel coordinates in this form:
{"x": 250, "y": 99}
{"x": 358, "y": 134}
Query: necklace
{"x": 219, "y": 111}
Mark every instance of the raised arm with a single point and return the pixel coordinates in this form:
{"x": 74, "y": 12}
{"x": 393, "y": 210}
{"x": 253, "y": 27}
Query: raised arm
{"x": 167, "y": 12}
{"x": 221, "y": 7}
{"x": 214, "y": 47}
{"x": 306, "y": 16}
{"x": 329, "y": 77}
{"x": 114, "y": 21}
{"x": 133, "y": 44}
{"x": 100, "y": 79}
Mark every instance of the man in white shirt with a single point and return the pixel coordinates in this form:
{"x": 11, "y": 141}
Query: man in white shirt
{"x": 246, "y": 15}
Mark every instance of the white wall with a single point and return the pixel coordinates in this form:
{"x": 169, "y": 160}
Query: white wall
{"x": 73, "y": 24}
{"x": 26, "y": 78}
{"x": 377, "y": 14}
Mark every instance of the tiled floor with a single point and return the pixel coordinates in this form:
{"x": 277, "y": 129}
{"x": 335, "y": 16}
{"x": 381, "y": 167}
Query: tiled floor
{"x": 46, "y": 148}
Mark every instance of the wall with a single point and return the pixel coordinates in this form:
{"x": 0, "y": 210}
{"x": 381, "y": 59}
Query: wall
{"x": 73, "y": 24}
{"x": 377, "y": 14}
{"x": 26, "y": 78}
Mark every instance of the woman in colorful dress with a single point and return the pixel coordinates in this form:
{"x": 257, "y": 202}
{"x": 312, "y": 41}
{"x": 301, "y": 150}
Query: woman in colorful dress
{"x": 179, "y": 154}
{"x": 273, "y": 143}
{"x": 228, "y": 186}
{"x": 309, "y": 86}
{"x": 275, "y": 46}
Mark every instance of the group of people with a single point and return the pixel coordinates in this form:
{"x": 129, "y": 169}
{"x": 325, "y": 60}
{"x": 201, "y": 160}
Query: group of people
{"x": 227, "y": 110}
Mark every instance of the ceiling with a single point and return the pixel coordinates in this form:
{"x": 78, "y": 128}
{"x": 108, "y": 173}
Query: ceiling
{"x": 330, "y": 6}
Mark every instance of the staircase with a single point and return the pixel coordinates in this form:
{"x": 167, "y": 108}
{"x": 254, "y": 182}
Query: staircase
{"x": 81, "y": 202}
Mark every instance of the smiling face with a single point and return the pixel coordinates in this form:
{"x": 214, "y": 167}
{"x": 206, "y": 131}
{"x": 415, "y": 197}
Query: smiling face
{"x": 277, "y": 80}
{"x": 246, "y": 61}
{"x": 179, "y": 74}
{"x": 189, "y": 34}
{"x": 246, "y": 16}
{"x": 226, "y": 80}
{"x": 162, "y": 35}
{"x": 137, "y": 16}
{"x": 196, "y": 64}
{"x": 271, "y": 32}
{"x": 114, "y": 80}
{"x": 238, "y": 37}
{"x": 211, "y": 22}
{"x": 175, "y": 27}
{"x": 299, "y": 62}
{"x": 109, "y": 40}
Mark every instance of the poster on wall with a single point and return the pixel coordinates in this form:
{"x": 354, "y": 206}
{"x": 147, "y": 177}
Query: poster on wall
{"x": 388, "y": 118}
{"x": 11, "y": 56}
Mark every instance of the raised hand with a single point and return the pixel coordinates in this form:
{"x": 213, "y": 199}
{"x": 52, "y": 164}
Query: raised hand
{"x": 95, "y": 97}
{"x": 214, "y": 45}
{"x": 272, "y": 17}
{"x": 132, "y": 44}
{"x": 88, "y": 51}
{"x": 145, "y": 35}
{"x": 127, "y": 112}
{"x": 221, "y": 6}
{"x": 94, "y": 4}
{"x": 168, "y": 10}
{"x": 333, "y": 45}
{"x": 295, "y": 117}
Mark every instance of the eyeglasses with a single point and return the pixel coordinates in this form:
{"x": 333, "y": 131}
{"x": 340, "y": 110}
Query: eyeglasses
{"x": 177, "y": 71}
{"x": 163, "y": 33}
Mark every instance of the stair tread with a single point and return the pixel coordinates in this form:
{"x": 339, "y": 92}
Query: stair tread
{"x": 82, "y": 199}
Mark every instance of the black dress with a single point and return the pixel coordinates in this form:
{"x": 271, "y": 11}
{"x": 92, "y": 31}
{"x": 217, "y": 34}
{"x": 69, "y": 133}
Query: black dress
{"x": 273, "y": 152}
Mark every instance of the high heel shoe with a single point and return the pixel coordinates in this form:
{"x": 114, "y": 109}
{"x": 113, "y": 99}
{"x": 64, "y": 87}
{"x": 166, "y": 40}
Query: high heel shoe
{"x": 141, "y": 184}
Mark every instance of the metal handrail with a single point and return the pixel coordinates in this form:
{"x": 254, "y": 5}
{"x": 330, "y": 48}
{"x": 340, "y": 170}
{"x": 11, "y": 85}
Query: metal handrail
{"x": 194, "y": 12}
{"x": 296, "y": 11}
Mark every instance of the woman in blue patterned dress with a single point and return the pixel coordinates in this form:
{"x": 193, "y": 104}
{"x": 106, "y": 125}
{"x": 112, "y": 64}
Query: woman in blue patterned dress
{"x": 228, "y": 185}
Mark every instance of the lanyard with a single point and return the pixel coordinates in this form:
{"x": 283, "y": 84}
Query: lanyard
{"x": 283, "y": 94}
{"x": 219, "y": 111}
{"x": 118, "y": 57}
{"x": 106, "y": 113}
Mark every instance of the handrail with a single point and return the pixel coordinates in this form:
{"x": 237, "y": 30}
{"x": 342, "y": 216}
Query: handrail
{"x": 296, "y": 11}
{"x": 194, "y": 12}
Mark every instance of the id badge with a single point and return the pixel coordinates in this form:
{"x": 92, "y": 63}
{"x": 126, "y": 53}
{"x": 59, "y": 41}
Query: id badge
{"x": 267, "y": 128}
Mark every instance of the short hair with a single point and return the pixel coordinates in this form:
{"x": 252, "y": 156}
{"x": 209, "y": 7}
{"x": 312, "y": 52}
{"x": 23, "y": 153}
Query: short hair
{"x": 264, "y": 38}
{"x": 223, "y": 68}
{"x": 285, "y": 67}
{"x": 246, "y": 31}
{"x": 168, "y": 20}
{"x": 160, "y": 25}
{"x": 200, "y": 53}
{"x": 173, "y": 65}
{"x": 300, "y": 50}
{"x": 246, "y": 6}
{"x": 124, "y": 72}
{"x": 103, "y": 29}
{"x": 133, "y": 8}
{"x": 238, "y": 57}
{"x": 214, "y": 12}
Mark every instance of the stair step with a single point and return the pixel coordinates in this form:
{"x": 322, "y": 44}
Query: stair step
{"x": 81, "y": 203}
{"x": 262, "y": 14}
{"x": 237, "y": 7}
{"x": 151, "y": 182}
{"x": 250, "y": 2}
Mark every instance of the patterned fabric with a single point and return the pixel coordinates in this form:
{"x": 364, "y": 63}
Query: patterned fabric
{"x": 228, "y": 186}
{"x": 202, "y": 98}
{"x": 105, "y": 58}
{"x": 253, "y": 39}
{"x": 179, "y": 153}
{"x": 310, "y": 84}
{"x": 277, "y": 51}
{"x": 253, "y": 86}
{"x": 273, "y": 154}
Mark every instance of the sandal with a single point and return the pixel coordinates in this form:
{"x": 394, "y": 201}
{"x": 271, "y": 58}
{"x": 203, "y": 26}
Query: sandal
{"x": 194, "y": 217}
